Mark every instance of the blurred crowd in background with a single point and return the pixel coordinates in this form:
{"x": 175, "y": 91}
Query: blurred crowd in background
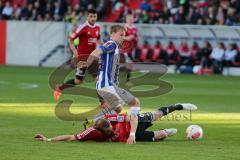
{"x": 210, "y": 57}
{"x": 48, "y": 10}
{"x": 202, "y": 12}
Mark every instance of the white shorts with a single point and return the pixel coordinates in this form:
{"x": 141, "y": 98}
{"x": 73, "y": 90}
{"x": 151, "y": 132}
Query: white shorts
{"x": 115, "y": 96}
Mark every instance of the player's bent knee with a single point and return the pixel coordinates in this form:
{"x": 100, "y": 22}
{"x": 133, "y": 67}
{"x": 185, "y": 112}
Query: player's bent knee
{"x": 160, "y": 135}
{"x": 135, "y": 102}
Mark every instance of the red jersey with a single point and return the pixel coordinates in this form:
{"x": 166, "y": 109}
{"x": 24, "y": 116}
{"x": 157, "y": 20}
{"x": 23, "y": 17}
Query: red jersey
{"x": 91, "y": 134}
{"x": 129, "y": 46}
{"x": 156, "y": 51}
{"x": 170, "y": 49}
{"x": 184, "y": 50}
{"x": 88, "y": 36}
{"x": 120, "y": 126}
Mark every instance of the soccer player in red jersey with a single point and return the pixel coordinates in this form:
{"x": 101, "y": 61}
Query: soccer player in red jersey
{"x": 116, "y": 128}
{"x": 89, "y": 36}
{"x": 129, "y": 45}
{"x": 99, "y": 132}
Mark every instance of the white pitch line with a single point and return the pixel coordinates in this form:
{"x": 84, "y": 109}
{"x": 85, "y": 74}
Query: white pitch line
{"x": 27, "y": 86}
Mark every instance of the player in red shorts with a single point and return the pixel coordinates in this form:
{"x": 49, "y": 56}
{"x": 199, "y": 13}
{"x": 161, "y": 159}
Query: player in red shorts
{"x": 89, "y": 36}
{"x": 129, "y": 45}
{"x": 116, "y": 128}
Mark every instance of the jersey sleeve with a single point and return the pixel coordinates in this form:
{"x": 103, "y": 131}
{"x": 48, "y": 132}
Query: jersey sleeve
{"x": 77, "y": 33}
{"x": 108, "y": 47}
{"x": 86, "y": 135}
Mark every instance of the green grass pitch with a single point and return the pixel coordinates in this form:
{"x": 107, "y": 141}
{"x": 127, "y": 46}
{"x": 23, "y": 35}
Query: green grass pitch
{"x": 27, "y": 107}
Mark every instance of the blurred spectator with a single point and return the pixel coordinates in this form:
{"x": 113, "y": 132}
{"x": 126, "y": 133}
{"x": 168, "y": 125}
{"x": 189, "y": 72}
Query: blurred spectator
{"x": 195, "y": 52}
{"x": 205, "y": 53}
{"x": 16, "y": 11}
{"x": 157, "y": 5}
{"x": 180, "y": 17}
{"x": 145, "y": 49}
{"x": 144, "y": 18}
{"x": 185, "y": 54}
{"x": 157, "y": 48}
{"x": 7, "y": 11}
{"x": 57, "y": 12}
{"x": 145, "y": 6}
{"x": 27, "y": 12}
{"x": 230, "y": 54}
{"x": 171, "y": 53}
{"x": 220, "y": 16}
{"x": 217, "y": 57}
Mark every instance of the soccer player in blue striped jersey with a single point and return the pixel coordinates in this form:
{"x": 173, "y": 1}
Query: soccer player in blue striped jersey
{"x": 107, "y": 81}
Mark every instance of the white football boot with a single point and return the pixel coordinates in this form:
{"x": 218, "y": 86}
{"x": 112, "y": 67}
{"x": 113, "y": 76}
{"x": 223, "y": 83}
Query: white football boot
{"x": 188, "y": 106}
{"x": 171, "y": 131}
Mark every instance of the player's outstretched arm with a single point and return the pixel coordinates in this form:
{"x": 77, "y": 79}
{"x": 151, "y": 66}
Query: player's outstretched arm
{"x": 41, "y": 137}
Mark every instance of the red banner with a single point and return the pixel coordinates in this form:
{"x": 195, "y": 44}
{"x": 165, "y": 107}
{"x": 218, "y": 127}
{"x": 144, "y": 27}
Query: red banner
{"x": 3, "y": 39}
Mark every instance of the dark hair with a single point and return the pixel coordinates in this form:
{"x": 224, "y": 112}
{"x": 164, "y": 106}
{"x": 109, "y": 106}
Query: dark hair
{"x": 208, "y": 44}
{"x": 222, "y": 45}
{"x": 93, "y": 11}
{"x": 234, "y": 46}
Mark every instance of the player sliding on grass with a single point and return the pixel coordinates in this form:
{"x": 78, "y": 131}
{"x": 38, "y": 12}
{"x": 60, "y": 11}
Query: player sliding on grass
{"x": 89, "y": 35}
{"x": 116, "y": 128}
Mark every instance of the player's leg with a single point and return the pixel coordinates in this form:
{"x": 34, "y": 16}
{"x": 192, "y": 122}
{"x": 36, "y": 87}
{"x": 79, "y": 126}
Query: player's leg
{"x": 129, "y": 67}
{"x": 80, "y": 74}
{"x": 151, "y": 136}
{"x": 162, "y": 134}
{"x": 166, "y": 110}
{"x": 111, "y": 99}
{"x": 153, "y": 116}
{"x": 128, "y": 98}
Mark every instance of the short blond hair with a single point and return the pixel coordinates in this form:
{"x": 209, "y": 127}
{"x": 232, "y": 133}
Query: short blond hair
{"x": 116, "y": 28}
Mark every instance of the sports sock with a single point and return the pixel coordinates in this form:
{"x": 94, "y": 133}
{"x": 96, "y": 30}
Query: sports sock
{"x": 128, "y": 75}
{"x": 68, "y": 84}
{"x": 169, "y": 109}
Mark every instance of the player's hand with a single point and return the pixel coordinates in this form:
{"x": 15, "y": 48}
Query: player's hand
{"x": 40, "y": 137}
{"x": 131, "y": 140}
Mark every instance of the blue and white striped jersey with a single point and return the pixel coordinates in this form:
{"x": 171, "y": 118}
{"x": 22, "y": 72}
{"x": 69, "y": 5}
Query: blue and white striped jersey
{"x": 109, "y": 59}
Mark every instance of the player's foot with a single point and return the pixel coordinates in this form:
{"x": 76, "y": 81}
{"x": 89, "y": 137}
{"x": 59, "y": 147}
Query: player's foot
{"x": 87, "y": 123}
{"x": 57, "y": 93}
{"x": 171, "y": 131}
{"x": 188, "y": 106}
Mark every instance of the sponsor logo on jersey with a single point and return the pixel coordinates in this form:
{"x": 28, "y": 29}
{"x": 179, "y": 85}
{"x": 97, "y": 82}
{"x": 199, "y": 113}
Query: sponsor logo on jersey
{"x": 92, "y": 40}
{"x": 120, "y": 118}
